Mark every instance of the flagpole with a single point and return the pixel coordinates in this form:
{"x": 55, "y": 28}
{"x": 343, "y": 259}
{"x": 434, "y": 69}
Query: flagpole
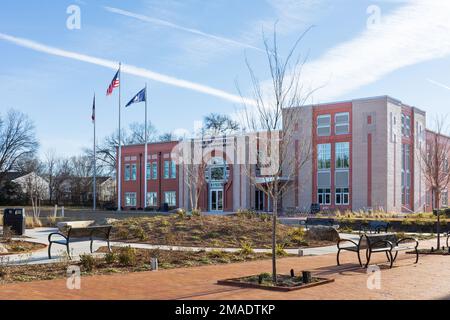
{"x": 145, "y": 150}
{"x": 119, "y": 178}
{"x": 95, "y": 161}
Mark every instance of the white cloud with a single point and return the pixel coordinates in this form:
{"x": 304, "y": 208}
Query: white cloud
{"x": 414, "y": 33}
{"x": 438, "y": 84}
{"x": 129, "y": 69}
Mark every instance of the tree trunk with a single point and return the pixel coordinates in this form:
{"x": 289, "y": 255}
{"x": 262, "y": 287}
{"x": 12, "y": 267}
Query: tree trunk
{"x": 274, "y": 239}
{"x": 438, "y": 212}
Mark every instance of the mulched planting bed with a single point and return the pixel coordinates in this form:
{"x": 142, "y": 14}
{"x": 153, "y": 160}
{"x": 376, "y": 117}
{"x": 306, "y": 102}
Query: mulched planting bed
{"x": 435, "y": 252}
{"x": 19, "y": 247}
{"x": 284, "y": 282}
{"x": 211, "y": 231}
{"x": 123, "y": 260}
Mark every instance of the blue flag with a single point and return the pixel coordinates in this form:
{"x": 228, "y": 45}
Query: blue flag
{"x": 140, "y": 97}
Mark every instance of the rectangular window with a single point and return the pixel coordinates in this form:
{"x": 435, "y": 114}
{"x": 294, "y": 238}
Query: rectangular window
{"x": 406, "y": 125}
{"x": 324, "y": 196}
{"x": 149, "y": 171}
{"x": 324, "y": 156}
{"x": 444, "y": 198}
{"x": 130, "y": 199}
{"x": 170, "y": 198}
{"x": 127, "y": 172}
{"x": 173, "y": 172}
{"x": 324, "y": 125}
{"x": 406, "y": 174}
{"x": 166, "y": 169}
{"x": 342, "y": 196}
{"x": 133, "y": 172}
{"x": 342, "y": 123}
{"x": 154, "y": 170}
{"x": 343, "y": 155}
{"x": 152, "y": 199}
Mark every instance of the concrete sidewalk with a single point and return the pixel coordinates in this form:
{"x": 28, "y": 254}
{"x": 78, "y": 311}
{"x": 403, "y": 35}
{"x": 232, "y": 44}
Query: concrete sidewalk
{"x": 40, "y": 235}
{"x": 426, "y": 280}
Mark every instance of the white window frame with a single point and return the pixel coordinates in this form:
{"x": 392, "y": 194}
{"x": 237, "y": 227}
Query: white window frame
{"x": 337, "y": 151}
{"x": 347, "y": 124}
{"x": 342, "y": 193}
{"x": 324, "y": 195}
{"x": 149, "y": 171}
{"x": 166, "y": 169}
{"x": 324, "y": 116}
{"x": 127, "y": 172}
{"x": 319, "y": 153}
{"x": 173, "y": 172}
{"x": 133, "y": 172}
{"x": 152, "y": 199}
{"x": 129, "y": 196}
{"x": 170, "y": 196}
{"x": 154, "y": 170}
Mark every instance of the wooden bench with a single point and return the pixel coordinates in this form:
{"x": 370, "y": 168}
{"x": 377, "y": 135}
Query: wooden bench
{"x": 76, "y": 234}
{"x": 375, "y": 227}
{"x": 387, "y": 243}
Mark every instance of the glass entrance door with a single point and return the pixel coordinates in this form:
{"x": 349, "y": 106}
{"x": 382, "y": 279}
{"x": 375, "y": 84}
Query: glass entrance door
{"x": 216, "y": 200}
{"x": 259, "y": 200}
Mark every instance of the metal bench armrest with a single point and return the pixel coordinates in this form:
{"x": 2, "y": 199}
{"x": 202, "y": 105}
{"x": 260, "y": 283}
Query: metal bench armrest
{"x": 56, "y": 234}
{"x": 408, "y": 239}
{"x": 346, "y": 240}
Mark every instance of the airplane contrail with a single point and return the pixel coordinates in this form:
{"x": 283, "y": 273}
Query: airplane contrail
{"x": 129, "y": 69}
{"x": 438, "y": 84}
{"x": 181, "y": 28}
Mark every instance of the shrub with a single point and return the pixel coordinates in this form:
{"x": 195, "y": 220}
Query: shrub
{"x": 264, "y": 217}
{"x": 110, "y": 258}
{"x": 87, "y": 262}
{"x": 127, "y": 256}
{"x": 140, "y": 234}
{"x": 181, "y": 213}
{"x": 279, "y": 250}
{"x": 217, "y": 253}
{"x": 32, "y": 222}
{"x": 246, "y": 248}
{"x": 196, "y": 213}
{"x": 7, "y": 233}
{"x": 246, "y": 213}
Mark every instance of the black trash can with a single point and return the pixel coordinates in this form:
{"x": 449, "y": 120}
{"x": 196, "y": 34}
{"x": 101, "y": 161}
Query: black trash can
{"x": 15, "y": 219}
{"x": 165, "y": 207}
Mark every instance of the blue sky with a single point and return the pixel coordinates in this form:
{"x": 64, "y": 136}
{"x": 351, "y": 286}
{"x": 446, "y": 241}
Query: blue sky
{"x": 192, "y": 52}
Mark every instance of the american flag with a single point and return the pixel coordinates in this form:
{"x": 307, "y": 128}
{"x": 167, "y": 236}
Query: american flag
{"x": 115, "y": 83}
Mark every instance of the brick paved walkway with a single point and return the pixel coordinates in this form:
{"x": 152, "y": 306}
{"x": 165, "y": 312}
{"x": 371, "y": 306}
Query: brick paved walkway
{"x": 426, "y": 280}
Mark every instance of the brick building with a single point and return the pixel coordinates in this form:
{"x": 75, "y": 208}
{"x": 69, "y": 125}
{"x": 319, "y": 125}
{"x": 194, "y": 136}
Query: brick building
{"x": 364, "y": 155}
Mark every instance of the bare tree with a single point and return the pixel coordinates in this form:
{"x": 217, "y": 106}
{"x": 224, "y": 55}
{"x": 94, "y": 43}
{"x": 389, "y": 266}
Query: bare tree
{"x": 17, "y": 141}
{"x": 50, "y": 169}
{"x": 276, "y": 117}
{"x": 435, "y": 165}
{"x": 137, "y": 133}
{"x": 219, "y": 125}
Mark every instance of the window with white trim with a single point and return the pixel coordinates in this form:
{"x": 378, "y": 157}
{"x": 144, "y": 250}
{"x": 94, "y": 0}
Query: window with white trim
{"x": 154, "y": 170}
{"x": 324, "y": 196}
{"x": 170, "y": 198}
{"x": 342, "y": 196}
{"x": 173, "y": 172}
{"x": 342, "y": 155}
{"x": 166, "y": 169}
{"x": 133, "y": 172}
{"x": 323, "y": 156}
{"x": 324, "y": 125}
{"x": 127, "y": 172}
{"x": 152, "y": 199}
{"x": 130, "y": 199}
{"x": 444, "y": 198}
{"x": 342, "y": 123}
{"x": 149, "y": 171}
